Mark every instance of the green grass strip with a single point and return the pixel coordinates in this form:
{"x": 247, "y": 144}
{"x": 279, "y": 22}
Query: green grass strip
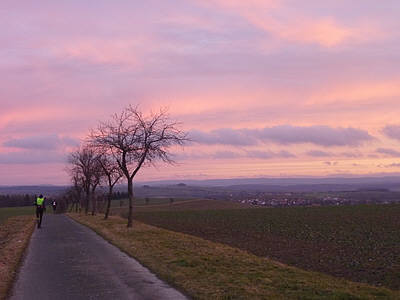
{"x": 7, "y": 212}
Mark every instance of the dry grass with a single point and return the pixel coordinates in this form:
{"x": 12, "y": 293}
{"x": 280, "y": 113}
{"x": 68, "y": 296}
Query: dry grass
{"x": 207, "y": 270}
{"x": 15, "y": 233}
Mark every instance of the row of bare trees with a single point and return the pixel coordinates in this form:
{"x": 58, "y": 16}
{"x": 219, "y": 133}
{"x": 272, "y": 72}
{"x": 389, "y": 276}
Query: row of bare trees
{"x": 118, "y": 148}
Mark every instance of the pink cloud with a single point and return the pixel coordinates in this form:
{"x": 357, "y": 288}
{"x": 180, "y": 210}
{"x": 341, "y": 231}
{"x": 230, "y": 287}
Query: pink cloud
{"x": 32, "y": 157}
{"x": 353, "y": 92}
{"x": 237, "y": 155}
{"x": 389, "y": 152}
{"x": 42, "y": 142}
{"x": 46, "y": 172}
{"x": 297, "y": 27}
{"x": 318, "y": 153}
{"x": 102, "y": 51}
{"x": 284, "y": 135}
{"x": 326, "y": 32}
{"x": 392, "y": 131}
{"x": 28, "y": 113}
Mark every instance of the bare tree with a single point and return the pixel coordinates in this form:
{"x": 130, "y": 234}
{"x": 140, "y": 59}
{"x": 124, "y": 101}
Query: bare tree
{"x": 98, "y": 175}
{"x": 85, "y": 168}
{"x": 74, "y": 193}
{"x": 78, "y": 189}
{"x": 135, "y": 140}
{"x": 113, "y": 174}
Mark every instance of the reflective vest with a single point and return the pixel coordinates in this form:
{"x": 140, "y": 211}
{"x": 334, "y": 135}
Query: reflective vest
{"x": 39, "y": 201}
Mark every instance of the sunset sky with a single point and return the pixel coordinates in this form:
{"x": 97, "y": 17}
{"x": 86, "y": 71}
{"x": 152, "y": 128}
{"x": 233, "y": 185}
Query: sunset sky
{"x": 265, "y": 88}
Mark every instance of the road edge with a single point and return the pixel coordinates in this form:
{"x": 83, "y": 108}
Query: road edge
{"x": 106, "y": 239}
{"x": 14, "y": 264}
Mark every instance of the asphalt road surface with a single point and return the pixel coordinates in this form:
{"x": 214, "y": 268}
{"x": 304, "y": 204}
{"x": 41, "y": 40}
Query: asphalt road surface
{"x": 66, "y": 260}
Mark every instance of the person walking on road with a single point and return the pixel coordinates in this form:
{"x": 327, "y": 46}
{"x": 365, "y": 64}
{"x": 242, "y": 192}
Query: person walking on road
{"x": 54, "y": 204}
{"x": 40, "y": 208}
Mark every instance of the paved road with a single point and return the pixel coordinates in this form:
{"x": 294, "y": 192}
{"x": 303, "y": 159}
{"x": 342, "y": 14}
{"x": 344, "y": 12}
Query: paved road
{"x": 66, "y": 260}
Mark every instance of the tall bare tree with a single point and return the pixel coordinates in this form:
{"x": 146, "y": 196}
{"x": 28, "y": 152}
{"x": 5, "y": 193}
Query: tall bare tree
{"x": 113, "y": 175}
{"x": 84, "y": 164}
{"x": 135, "y": 140}
{"x": 97, "y": 178}
{"x": 74, "y": 193}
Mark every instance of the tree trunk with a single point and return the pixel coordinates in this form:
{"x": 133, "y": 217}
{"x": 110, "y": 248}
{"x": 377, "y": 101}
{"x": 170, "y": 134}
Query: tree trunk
{"x": 93, "y": 204}
{"x": 87, "y": 203}
{"x": 110, "y": 189}
{"x": 130, "y": 193}
{"x": 80, "y": 204}
{"x": 94, "y": 200}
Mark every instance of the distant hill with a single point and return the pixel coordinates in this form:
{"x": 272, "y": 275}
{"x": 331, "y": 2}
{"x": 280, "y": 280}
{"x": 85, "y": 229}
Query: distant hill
{"x": 345, "y": 182}
{"x": 48, "y": 190}
{"x": 196, "y": 188}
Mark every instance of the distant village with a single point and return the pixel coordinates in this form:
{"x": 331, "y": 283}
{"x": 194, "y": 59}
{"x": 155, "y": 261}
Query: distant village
{"x": 301, "y": 199}
{"x": 275, "y": 198}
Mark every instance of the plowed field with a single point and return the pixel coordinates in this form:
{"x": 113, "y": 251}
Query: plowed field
{"x": 361, "y": 243}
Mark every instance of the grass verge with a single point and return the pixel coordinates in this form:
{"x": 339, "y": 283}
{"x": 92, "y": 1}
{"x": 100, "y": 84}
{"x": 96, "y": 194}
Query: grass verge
{"x": 7, "y": 212}
{"x": 15, "y": 233}
{"x": 208, "y": 270}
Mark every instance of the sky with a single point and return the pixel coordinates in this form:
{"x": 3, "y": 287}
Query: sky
{"x": 264, "y": 88}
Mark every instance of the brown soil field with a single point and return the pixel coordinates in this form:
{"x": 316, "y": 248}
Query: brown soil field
{"x": 360, "y": 243}
{"x": 187, "y": 205}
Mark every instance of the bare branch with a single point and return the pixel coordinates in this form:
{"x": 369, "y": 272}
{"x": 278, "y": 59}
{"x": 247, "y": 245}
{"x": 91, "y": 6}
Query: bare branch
{"x": 134, "y": 140}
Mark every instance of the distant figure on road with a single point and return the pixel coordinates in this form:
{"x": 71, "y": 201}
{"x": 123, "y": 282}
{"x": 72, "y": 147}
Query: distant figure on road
{"x": 40, "y": 208}
{"x": 54, "y": 204}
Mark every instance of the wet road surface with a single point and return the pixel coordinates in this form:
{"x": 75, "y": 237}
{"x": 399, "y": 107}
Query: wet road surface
{"x": 66, "y": 260}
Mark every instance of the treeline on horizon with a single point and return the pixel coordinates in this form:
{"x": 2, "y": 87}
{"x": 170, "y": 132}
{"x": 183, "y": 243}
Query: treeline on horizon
{"x": 19, "y": 200}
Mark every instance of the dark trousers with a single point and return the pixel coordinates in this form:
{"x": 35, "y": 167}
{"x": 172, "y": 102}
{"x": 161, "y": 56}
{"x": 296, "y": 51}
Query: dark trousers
{"x": 39, "y": 216}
